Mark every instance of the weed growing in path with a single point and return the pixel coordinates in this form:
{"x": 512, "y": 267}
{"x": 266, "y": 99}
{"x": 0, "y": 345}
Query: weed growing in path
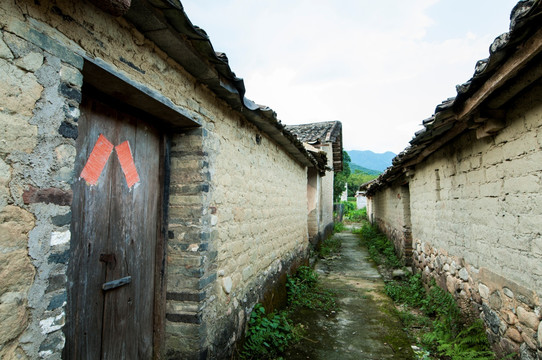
{"x": 329, "y": 246}
{"x": 304, "y": 291}
{"x": 268, "y": 335}
{"x": 380, "y": 249}
{"x": 431, "y": 317}
{"x": 338, "y": 227}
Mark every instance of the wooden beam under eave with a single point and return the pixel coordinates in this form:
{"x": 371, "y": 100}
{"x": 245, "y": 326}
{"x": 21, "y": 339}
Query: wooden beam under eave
{"x": 508, "y": 70}
{"x": 435, "y": 145}
{"x": 528, "y": 76}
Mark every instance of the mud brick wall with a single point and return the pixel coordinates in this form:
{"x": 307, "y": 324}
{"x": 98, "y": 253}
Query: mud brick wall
{"x": 326, "y": 200}
{"x": 478, "y": 231}
{"x": 389, "y": 210}
{"x": 237, "y": 208}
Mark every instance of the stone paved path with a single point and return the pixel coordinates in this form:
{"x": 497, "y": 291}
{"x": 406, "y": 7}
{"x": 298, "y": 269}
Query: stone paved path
{"x": 365, "y": 326}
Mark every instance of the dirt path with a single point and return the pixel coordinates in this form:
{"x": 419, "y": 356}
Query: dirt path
{"x": 365, "y": 326}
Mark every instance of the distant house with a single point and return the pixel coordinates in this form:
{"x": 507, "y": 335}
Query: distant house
{"x": 361, "y": 200}
{"x": 145, "y": 204}
{"x": 463, "y": 203}
{"x": 324, "y": 141}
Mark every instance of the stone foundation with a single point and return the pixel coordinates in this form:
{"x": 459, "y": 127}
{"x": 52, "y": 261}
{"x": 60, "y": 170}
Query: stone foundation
{"x": 510, "y": 312}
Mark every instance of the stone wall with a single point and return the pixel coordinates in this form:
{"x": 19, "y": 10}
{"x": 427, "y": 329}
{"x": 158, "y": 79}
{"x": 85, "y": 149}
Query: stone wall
{"x": 39, "y": 97}
{"x": 237, "y": 215}
{"x": 476, "y": 215}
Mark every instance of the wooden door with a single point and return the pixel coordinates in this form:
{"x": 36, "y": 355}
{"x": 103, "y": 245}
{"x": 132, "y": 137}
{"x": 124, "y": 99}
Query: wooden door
{"x": 115, "y": 231}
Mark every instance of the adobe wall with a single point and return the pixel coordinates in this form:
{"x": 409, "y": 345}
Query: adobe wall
{"x": 237, "y": 209}
{"x": 314, "y": 186}
{"x": 387, "y": 210}
{"x": 326, "y": 195}
{"x": 259, "y": 200}
{"x": 320, "y": 200}
{"x": 477, "y": 228}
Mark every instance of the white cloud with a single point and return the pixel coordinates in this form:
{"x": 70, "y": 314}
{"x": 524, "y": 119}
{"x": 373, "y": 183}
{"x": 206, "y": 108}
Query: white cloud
{"x": 370, "y": 64}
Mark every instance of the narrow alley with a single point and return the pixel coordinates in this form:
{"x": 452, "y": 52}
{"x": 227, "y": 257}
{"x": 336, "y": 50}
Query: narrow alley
{"x": 364, "y": 326}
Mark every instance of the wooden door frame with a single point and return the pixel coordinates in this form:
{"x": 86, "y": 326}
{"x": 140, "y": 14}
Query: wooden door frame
{"x": 160, "y": 260}
{"x": 160, "y": 263}
{"x": 169, "y": 117}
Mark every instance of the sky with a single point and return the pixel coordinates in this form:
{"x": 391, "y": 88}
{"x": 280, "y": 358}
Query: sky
{"x": 379, "y": 67}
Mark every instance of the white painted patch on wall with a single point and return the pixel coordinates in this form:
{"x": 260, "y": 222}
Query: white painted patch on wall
{"x": 52, "y": 324}
{"x": 60, "y": 237}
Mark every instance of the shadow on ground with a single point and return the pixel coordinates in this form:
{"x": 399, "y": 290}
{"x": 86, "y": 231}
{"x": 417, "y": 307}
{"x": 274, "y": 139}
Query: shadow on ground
{"x": 365, "y": 325}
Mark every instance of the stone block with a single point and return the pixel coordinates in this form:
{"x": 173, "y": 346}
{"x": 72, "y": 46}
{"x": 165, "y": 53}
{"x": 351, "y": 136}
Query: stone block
{"x": 528, "y": 318}
{"x": 16, "y": 271}
{"x": 43, "y": 41}
{"x": 16, "y": 134}
{"x": 19, "y": 91}
{"x": 48, "y": 196}
{"x": 463, "y": 274}
{"x": 509, "y": 317}
{"x": 495, "y": 300}
{"x": 526, "y": 353}
{"x": 13, "y": 315}
{"x": 18, "y": 46}
{"x": 5, "y": 52}
{"x": 30, "y": 62}
{"x": 68, "y": 130}
{"x": 15, "y": 223}
{"x": 529, "y": 337}
{"x": 71, "y": 76}
{"x": 514, "y": 335}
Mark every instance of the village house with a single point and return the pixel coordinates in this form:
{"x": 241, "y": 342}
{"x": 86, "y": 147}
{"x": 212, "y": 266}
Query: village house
{"x": 145, "y": 204}
{"x": 463, "y": 203}
{"x": 324, "y": 141}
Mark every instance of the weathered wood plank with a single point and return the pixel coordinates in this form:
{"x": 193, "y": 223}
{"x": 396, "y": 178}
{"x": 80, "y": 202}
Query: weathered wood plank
{"x": 114, "y": 238}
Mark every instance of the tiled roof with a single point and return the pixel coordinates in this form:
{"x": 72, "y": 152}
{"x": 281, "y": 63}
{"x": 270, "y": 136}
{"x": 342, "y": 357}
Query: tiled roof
{"x": 480, "y": 97}
{"x": 320, "y": 133}
{"x": 165, "y": 23}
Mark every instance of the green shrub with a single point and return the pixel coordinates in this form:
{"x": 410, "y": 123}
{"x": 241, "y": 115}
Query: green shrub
{"x": 357, "y": 215}
{"x": 410, "y": 292}
{"x": 449, "y": 336}
{"x": 338, "y": 227}
{"x": 268, "y": 335}
{"x": 304, "y": 291}
{"x": 348, "y": 206}
{"x": 381, "y": 250}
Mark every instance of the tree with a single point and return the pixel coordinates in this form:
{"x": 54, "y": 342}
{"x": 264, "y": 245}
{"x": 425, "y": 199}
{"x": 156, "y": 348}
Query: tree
{"x": 341, "y": 178}
{"x": 356, "y": 179}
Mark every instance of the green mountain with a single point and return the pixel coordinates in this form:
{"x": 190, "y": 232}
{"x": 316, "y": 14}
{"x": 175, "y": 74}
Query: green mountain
{"x": 371, "y": 160}
{"x": 359, "y": 175}
{"x": 355, "y": 168}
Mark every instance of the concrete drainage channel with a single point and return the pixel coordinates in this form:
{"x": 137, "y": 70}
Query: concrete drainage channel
{"x": 365, "y": 325}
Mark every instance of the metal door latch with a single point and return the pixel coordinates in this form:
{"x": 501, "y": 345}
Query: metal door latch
{"x": 110, "y": 285}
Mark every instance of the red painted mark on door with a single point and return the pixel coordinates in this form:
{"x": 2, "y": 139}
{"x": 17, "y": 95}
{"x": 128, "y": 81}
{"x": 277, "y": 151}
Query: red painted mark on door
{"x": 97, "y": 160}
{"x": 127, "y": 163}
